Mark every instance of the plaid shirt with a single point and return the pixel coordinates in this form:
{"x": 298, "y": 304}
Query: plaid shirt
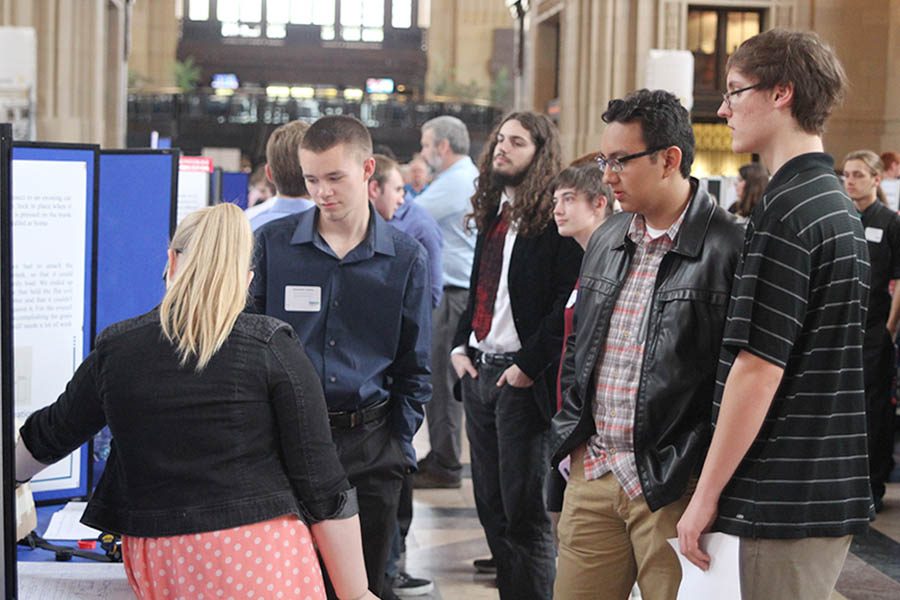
{"x": 618, "y": 370}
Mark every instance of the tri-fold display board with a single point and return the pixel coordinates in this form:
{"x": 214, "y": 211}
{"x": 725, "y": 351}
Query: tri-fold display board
{"x": 89, "y": 235}
{"x": 54, "y": 204}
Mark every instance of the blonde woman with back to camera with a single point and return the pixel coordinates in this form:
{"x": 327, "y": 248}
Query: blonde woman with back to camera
{"x": 222, "y": 471}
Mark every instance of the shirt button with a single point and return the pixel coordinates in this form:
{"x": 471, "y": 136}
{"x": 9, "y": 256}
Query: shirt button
{"x": 335, "y": 303}
{"x": 332, "y": 379}
{"x": 331, "y": 342}
{"x": 612, "y": 412}
{"x": 612, "y": 450}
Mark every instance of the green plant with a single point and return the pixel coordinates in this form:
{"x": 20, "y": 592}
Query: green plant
{"x": 187, "y": 74}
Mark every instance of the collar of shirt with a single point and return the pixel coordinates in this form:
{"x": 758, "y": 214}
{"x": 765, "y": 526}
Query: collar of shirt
{"x": 504, "y": 199}
{"x": 871, "y": 209}
{"x": 637, "y": 231}
{"x": 402, "y": 210}
{"x": 292, "y": 205}
{"x": 803, "y": 162}
{"x": 378, "y": 236}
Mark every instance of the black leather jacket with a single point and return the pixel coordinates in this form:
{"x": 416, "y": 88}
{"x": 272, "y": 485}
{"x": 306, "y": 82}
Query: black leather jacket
{"x": 687, "y": 316}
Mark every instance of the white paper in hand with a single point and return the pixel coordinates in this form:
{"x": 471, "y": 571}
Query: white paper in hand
{"x": 722, "y": 580}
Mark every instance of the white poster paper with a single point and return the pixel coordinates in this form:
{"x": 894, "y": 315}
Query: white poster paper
{"x": 49, "y": 208}
{"x": 193, "y": 184}
{"x": 73, "y": 581}
{"x": 65, "y": 524}
{"x": 891, "y": 188}
{"x": 722, "y": 580}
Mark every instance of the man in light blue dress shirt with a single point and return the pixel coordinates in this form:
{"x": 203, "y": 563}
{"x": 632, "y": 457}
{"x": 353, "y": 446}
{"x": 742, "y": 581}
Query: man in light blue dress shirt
{"x": 445, "y": 147}
{"x": 283, "y": 169}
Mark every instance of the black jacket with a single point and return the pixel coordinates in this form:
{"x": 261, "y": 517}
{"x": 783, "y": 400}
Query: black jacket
{"x": 687, "y": 317}
{"x": 244, "y": 441}
{"x": 542, "y": 272}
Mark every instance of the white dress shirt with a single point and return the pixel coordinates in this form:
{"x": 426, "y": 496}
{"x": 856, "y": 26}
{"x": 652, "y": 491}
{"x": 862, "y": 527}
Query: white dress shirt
{"x": 503, "y": 336}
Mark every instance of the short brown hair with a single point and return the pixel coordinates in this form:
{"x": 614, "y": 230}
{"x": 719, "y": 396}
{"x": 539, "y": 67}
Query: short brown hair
{"x": 383, "y": 165}
{"x": 328, "y": 132}
{"x": 801, "y": 59}
{"x": 584, "y": 176}
{"x": 284, "y": 164}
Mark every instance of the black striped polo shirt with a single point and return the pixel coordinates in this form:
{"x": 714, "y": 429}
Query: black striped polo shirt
{"x": 799, "y": 301}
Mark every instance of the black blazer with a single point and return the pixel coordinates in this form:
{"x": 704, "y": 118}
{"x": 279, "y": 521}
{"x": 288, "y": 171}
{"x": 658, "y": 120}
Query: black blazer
{"x": 542, "y": 272}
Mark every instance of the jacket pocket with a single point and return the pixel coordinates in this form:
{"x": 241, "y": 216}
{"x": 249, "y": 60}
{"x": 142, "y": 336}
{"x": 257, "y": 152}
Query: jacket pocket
{"x": 597, "y": 285}
{"x": 690, "y": 320}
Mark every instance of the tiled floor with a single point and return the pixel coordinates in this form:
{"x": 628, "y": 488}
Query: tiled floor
{"x": 446, "y": 538}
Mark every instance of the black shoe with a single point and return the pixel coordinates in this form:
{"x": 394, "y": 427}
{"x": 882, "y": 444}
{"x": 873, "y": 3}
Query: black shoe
{"x": 406, "y": 586}
{"x": 879, "y": 504}
{"x": 428, "y": 480}
{"x": 485, "y": 565}
{"x": 423, "y": 464}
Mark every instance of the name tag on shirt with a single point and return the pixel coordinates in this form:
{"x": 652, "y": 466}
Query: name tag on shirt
{"x": 302, "y": 298}
{"x": 572, "y": 298}
{"x": 873, "y": 234}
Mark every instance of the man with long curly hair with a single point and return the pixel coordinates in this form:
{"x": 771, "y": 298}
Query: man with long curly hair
{"x": 507, "y": 347}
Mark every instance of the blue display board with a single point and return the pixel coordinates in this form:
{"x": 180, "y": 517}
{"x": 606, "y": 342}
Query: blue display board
{"x": 43, "y": 199}
{"x": 234, "y": 188}
{"x": 136, "y": 217}
{"x": 138, "y": 204}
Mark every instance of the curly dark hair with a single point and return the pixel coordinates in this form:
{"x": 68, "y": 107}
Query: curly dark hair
{"x": 532, "y": 210}
{"x": 664, "y": 122}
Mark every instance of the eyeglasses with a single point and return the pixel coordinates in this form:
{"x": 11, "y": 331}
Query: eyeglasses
{"x": 617, "y": 164}
{"x": 726, "y": 96}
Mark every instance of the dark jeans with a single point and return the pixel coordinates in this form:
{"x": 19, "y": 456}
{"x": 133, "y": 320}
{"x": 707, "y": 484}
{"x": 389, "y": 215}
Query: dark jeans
{"x": 878, "y": 372}
{"x": 373, "y": 459}
{"x": 404, "y": 520}
{"x": 508, "y": 439}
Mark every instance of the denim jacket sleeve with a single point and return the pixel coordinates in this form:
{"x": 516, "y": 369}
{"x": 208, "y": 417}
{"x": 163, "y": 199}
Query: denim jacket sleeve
{"x": 56, "y": 430}
{"x": 310, "y": 457}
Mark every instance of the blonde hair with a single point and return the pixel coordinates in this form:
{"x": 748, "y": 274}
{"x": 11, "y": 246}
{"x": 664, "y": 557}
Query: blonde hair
{"x": 209, "y": 291}
{"x": 875, "y": 166}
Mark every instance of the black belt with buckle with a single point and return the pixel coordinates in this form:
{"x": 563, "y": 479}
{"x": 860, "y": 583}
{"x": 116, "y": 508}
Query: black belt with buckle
{"x": 351, "y": 419}
{"x": 499, "y": 359}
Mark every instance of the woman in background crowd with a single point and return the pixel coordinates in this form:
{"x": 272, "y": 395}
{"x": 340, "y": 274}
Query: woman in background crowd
{"x": 752, "y": 181}
{"x": 222, "y": 470}
{"x": 891, "y": 162}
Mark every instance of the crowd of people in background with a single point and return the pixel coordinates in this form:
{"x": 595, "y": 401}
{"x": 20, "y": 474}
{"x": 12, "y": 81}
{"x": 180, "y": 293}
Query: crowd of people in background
{"x": 630, "y": 361}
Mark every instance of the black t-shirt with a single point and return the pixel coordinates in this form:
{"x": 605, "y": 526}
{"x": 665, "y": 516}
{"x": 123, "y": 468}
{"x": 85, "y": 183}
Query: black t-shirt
{"x": 799, "y": 302}
{"x": 882, "y": 227}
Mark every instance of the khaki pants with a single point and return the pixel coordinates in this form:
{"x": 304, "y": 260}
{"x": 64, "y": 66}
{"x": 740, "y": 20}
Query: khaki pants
{"x": 804, "y": 569}
{"x": 607, "y": 541}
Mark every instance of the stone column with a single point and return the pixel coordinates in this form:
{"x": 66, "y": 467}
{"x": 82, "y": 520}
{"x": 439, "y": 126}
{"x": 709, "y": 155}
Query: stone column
{"x": 81, "y": 64}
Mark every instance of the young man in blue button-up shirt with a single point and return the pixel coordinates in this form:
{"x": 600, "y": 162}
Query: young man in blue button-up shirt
{"x": 356, "y": 290}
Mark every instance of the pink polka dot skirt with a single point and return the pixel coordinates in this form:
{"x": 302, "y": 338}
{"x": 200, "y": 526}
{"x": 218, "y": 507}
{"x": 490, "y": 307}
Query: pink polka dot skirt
{"x": 272, "y": 559}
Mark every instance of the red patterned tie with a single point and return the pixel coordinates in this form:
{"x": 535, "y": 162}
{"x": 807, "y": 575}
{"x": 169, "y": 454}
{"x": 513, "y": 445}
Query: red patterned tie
{"x": 489, "y": 275}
